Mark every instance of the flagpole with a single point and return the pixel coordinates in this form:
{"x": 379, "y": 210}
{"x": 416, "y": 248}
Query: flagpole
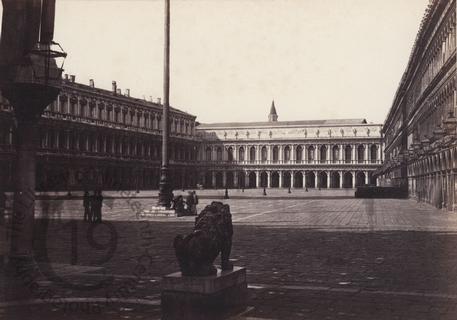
{"x": 165, "y": 185}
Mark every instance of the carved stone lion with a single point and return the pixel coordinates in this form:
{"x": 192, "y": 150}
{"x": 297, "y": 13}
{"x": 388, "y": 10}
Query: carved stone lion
{"x": 212, "y": 235}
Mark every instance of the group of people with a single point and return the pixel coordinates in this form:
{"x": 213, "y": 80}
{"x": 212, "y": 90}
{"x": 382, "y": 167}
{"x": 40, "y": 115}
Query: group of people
{"x": 93, "y": 206}
{"x": 186, "y": 207}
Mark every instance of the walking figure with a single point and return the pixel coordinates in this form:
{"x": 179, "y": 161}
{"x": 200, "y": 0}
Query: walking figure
{"x": 87, "y": 206}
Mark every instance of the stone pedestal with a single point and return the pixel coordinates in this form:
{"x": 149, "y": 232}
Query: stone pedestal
{"x": 210, "y": 297}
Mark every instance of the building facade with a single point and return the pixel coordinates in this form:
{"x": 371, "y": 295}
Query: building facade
{"x": 296, "y": 154}
{"x": 94, "y": 138}
{"x": 420, "y": 129}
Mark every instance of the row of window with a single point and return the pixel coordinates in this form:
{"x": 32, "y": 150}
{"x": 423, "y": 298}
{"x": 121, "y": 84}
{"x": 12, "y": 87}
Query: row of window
{"x": 324, "y": 153}
{"x": 113, "y": 145}
{"x": 122, "y": 116}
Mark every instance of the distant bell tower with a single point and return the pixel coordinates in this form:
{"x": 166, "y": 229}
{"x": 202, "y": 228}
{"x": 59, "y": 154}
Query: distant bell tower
{"x": 273, "y": 116}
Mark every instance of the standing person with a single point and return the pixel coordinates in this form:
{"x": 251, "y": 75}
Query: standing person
{"x": 99, "y": 204}
{"x": 190, "y": 202}
{"x": 87, "y": 207}
{"x": 93, "y": 207}
{"x": 195, "y": 202}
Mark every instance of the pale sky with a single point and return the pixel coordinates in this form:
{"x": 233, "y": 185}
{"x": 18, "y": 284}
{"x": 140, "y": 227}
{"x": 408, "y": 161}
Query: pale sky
{"x": 319, "y": 59}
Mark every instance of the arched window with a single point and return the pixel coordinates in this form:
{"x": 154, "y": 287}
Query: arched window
{"x": 287, "y": 154}
{"x": 241, "y": 154}
{"x": 348, "y": 154}
{"x": 361, "y": 154}
{"x": 311, "y": 154}
{"x": 230, "y": 154}
{"x": 219, "y": 154}
{"x": 264, "y": 154}
{"x": 323, "y": 154}
{"x": 298, "y": 154}
{"x": 275, "y": 154}
{"x": 335, "y": 154}
{"x": 374, "y": 153}
{"x": 252, "y": 154}
{"x": 208, "y": 154}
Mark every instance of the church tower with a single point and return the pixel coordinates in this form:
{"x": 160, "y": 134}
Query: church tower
{"x": 273, "y": 116}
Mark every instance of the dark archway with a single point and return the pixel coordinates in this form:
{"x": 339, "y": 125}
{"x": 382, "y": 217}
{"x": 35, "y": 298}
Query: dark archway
{"x": 274, "y": 179}
{"x": 322, "y": 180}
{"x": 275, "y": 154}
{"x": 347, "y": 180}
{"x": 286, "y": 179}
{"x": 241, "y": 179}
{"x": 252, "y": 179}
{"x": 219, "y": 181}
{"x": 298, "y": 180}
{"x": 334, "y": 180}
{"x": 359, "y": 179}
{"x": 229, "y": 179}
{"x": 310, "y": 179}
{"x": 263, "y": 179}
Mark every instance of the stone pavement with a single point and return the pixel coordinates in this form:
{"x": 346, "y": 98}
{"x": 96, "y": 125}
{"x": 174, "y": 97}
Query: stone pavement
{"x": 306, "y": 259}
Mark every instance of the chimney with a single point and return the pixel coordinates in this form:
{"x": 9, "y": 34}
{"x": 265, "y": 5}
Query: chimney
{"x": 91, "y": 83}
{"x": 127, "y": 92}
{"x": 118, "y": 91}
{"x": 159, "y": 101}
{"x": 72, "y": 77}
{"x": 66, "y": 76}
{"x": 114, "y": 86}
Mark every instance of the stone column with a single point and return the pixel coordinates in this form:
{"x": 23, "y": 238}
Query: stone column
{"x": 353, "y": 179}
{"x": 268, "y": 179}
{"x": 328, "y": 153}
{"x": 316, "y": 179}
{"x": 224, "y": 178}
{"x": 304, "y": 179}
{"x": 246, "y": 180}
{"x": 257, "y": 179}
{"x": 292, "y": 179}
{"x": 366, "y": 153}
{"x": 269, "y": 157}
{"x": 280, "y": 178}
{"x": 341, "y": 153}
{"x": 281, "y": 155}
{"x": 317, "y": 154}
{"x": 328, "y": 179}
{"x": 292, "y": 153}
{"x": 367, "y": 178}
{"x": 213, "y": 176}
{"x": 354, "y": 152}
{"x": 341, "y": 179}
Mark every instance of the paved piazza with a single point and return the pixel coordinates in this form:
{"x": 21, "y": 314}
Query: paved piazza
{"x": 309, "y": 255}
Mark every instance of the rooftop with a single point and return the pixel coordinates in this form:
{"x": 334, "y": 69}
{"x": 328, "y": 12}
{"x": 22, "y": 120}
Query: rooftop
{"x": 283, "y": 123}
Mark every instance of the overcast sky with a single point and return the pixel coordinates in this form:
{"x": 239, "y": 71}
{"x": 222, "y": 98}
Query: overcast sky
{"x": 229, "y": 58}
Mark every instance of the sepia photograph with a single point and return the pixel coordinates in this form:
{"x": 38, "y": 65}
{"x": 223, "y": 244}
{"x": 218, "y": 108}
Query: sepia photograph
{"x": 228, "y": 159}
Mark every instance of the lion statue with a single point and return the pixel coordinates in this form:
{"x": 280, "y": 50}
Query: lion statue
{"x": 212, "y": 235}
